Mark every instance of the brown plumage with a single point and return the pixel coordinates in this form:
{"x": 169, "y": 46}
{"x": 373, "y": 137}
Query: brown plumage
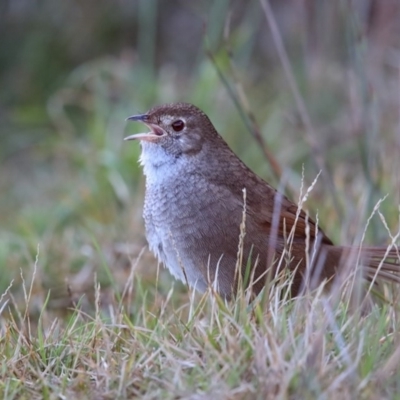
{"x": 194, "y": 209}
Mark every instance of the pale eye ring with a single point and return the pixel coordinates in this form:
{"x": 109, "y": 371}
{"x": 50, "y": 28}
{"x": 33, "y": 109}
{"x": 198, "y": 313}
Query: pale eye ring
{"x": 178, "y": 125}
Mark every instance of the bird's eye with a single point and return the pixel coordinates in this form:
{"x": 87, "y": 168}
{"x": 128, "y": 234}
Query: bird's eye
{"x": 178, "y": 125}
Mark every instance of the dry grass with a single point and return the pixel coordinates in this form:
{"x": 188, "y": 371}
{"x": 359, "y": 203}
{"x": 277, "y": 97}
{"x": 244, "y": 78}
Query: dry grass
{"x": 137, "y": 342}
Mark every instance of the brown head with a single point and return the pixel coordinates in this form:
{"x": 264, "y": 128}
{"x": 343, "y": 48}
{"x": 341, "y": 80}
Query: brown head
{"x": 179, "y": 128}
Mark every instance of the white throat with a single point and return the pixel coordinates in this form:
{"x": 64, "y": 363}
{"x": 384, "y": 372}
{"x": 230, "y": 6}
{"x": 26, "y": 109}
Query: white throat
{"x": 156, "y": 162}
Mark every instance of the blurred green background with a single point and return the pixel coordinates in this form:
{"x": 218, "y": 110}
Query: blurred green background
{"x": 71, "y": 72}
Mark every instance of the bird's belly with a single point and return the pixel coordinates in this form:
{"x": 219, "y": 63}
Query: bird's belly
{"x": 165, "y": 229}
{"x": 196, "y": 234}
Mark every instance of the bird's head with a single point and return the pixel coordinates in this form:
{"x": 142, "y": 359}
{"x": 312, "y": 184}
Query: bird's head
{"x": 179, "y": 128}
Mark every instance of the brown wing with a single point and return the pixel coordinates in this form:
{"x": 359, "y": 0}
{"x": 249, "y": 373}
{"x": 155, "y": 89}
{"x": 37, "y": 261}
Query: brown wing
{"x": 263, "y": 202}
{"x": 290, "y": 216}
{"x": 276, "y": 212}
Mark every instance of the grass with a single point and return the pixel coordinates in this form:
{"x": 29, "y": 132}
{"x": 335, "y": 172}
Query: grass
{"x": 150, "y": 345}
{"x": 85, "y": 312}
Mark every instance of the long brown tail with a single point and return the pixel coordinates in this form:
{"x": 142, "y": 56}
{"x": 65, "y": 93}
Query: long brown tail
{"x": 377, "y": 262}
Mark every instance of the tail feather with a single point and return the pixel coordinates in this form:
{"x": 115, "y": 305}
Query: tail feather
{"x": 379, "y": 262}
{"x": 371, "y": 273}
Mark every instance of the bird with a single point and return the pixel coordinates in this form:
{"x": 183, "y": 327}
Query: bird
{"x": 215, "y": 224}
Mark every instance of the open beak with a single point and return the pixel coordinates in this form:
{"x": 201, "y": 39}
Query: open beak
{"x": 155, "y": 131}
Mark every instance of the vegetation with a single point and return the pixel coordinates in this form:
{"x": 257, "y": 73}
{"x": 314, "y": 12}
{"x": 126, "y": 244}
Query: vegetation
{"x": 85, "y": 312}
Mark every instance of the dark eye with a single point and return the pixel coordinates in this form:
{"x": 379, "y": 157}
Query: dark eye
{"x": 178, "y": 125}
